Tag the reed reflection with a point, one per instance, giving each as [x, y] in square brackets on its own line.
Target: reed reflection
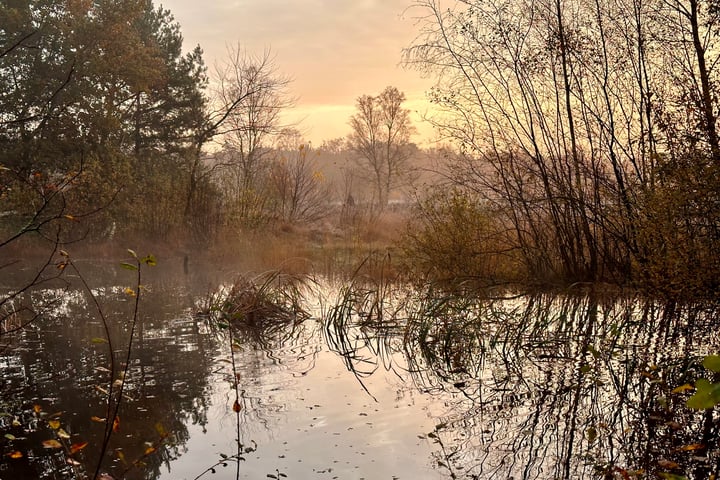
[545, 386]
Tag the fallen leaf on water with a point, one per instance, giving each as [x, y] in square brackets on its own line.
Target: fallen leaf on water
[683, 388]
[688, 448]
[51, 444]
[54, 424]
[63, 434]
[116, 424]
[97, 419]
[10, 436]
[76, 447]
[149, 450]
[37, 408]
[667, 464]
[15, 454]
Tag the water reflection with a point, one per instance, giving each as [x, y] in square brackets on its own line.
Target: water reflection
[364, 381]
[554, 387]
[57, 371]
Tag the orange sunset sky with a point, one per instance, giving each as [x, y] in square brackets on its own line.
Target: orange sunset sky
[334, 50]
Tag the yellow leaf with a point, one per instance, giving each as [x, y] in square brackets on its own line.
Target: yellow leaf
[129, 291]
[691, 447]
[51, 444]
[63, 434]
[37, 408]
[149, 450]
[54, 424]
[683, 388]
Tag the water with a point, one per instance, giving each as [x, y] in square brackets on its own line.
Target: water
[532, 387]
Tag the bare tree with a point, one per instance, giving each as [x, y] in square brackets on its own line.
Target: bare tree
[381, 139]
[251, 126]
[301, 191]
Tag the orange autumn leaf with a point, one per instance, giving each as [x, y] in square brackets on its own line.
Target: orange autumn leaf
[116, 424]
[691, 447]
[15, 454]
[76, 447]
[97, 419]
[149, 450]
[54, 424]
[683, 388]
[51, 444]
[37, 408]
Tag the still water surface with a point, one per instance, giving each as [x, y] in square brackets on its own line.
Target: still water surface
[532, 387]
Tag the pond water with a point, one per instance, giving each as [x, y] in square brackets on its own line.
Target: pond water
[377, 381]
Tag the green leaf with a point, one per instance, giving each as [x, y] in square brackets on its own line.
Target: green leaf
[149, 260]
[707, 395]
[132, 253]
[99, 340]
[712, 362]
[10, 436]
[128, 266]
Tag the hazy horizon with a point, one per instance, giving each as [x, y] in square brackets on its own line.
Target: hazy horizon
[333, 50]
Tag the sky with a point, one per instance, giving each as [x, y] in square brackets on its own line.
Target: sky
[334, 51]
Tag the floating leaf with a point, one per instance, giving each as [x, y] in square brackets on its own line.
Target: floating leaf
[121, 456]
[691, 447]
[76, 447]
[51, 444]
[129, 291]
[63, 434]
[54, 424]
[667, 464]
[37, 408]
[149, 260]
[128, 266]
[99, 340]
[683, 388]
[15, 454]
[712, 362]
[10, 436]
[97, 419]
[116, 424]
[160, 430]
[132, 253]
[591, 434]
[149, 450]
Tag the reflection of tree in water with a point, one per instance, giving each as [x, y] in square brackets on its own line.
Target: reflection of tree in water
[59, 368]
[546, 387]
